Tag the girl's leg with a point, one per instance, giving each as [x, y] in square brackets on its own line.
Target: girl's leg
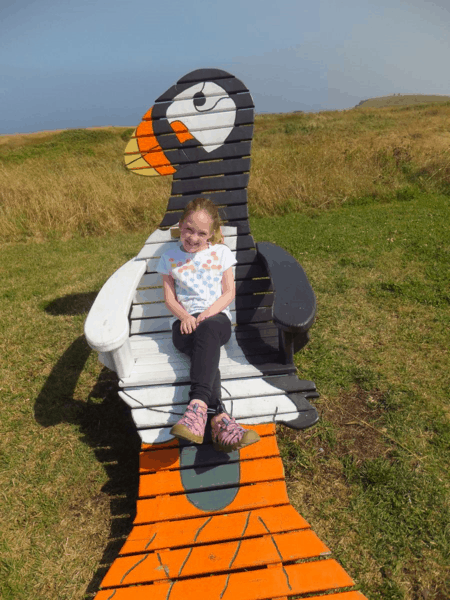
[203, 347]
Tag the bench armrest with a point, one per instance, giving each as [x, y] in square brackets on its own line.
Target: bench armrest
[294, 305]
[107, 327]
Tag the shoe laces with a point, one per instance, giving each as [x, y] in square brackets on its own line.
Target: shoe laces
[229, 426]
[193, 412]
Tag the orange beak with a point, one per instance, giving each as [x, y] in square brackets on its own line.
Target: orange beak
[144, 155]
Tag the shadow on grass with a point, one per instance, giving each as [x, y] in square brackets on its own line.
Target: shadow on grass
[105, 424]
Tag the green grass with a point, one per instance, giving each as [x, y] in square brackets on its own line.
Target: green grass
[72, 142]
[371, 478]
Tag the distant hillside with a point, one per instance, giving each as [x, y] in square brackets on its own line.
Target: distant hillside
[401, 100]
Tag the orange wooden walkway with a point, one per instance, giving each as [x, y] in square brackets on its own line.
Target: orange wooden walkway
[248, 550]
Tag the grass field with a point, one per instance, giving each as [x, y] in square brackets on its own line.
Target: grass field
[402, 100]
[372, 477]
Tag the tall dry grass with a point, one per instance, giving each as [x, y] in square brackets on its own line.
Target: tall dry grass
[299, 162]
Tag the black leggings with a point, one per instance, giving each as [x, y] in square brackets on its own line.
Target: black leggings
[203, 348]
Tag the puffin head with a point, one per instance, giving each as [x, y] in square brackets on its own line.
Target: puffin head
[194, 121]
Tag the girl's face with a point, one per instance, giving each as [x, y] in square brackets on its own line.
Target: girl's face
[195, 232]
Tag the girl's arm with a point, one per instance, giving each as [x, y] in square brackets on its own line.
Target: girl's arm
[228, 294]
[170, 298]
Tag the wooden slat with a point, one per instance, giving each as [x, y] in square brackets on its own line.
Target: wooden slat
[159, 435]
[196, 155]
[166, 459]
[254, 315]
[214, 558]
[263, 430]
[243, 287]
[241, 133]
[240, 408]
[159, 309]
[213, 528]
[148, 141]
[176, 395]
[208, 169]
[170, 482]
[244, 107]
[249, 497]
[227, 198]
[235, 372]
[258, 584]
[232, 85]
[227, 182]
[144, 356]
[242, 388]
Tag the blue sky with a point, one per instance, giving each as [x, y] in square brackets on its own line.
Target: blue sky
[86, 63]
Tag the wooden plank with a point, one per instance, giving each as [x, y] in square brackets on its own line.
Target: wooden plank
[157, 294]
[240, 408]
[242, 104]
[182, 375]
[227, 182]
[143, 356]
[230, 83]
[169, 458]
[208, 169]
[227, 198]
[150, 342]
[249, 497]
[241, 133]
[263, 430]
[214, 558]
[170, 482]
[253, 315]
[176, 395]
[213, 528]
[258, 584]
[171, 134]
[227, 150]
[159, 309]
[241, 332]
[157, 435]
[241, 388]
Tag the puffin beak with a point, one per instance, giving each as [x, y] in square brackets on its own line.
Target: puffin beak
[144, 155]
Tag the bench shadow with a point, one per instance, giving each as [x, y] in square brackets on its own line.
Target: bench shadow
[105, 424]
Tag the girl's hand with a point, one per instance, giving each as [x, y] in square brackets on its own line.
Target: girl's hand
[188, 325]
[202, 316]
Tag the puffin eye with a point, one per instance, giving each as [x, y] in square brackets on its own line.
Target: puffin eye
[199, 99]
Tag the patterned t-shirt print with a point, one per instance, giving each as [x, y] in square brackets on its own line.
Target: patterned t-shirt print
[198, 280]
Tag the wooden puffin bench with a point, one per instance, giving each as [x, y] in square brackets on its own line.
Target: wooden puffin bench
[210, 524]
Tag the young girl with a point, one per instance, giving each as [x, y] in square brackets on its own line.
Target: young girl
[198, 287]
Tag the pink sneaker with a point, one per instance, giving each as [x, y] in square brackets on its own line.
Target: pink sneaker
[191, 426]
[227, 435]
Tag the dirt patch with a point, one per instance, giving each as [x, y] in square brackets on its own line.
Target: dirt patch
[356, 417]
[351, 424]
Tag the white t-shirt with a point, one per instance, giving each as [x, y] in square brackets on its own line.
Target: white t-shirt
[197, 275]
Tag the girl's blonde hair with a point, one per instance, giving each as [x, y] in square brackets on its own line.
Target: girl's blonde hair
[208, 206]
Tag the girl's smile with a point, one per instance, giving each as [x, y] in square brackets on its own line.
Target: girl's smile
[195, 232]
